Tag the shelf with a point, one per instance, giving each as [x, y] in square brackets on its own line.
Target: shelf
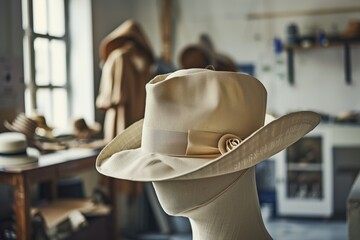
[304, 200]
[311, 167]
[333, 43]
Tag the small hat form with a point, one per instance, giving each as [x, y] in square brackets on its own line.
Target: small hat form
[203, 54]
[41, 122]
[42, 129]
[84, 131]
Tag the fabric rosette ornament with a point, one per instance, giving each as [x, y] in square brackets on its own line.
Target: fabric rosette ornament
[228, 142]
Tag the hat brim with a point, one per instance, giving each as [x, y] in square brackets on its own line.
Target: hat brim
[18, 159]
[124, 158]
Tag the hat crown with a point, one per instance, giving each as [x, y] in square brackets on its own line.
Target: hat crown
[192, 125]
[205, 100]
[12, 142]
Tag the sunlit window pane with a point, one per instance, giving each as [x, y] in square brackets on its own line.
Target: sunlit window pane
[60, 107]
[56, 19]
[58, 62]
[40, 19]
[43, 102]
[48, 73]
[41, 47]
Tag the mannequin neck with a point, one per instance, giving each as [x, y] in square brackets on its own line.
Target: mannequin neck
[234, 214]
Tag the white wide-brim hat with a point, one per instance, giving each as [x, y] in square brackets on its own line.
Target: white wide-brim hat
[14, 150]
[200, 123]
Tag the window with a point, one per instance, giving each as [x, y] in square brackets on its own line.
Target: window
[46, 60]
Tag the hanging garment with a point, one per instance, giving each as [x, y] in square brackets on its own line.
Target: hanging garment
[127, 65]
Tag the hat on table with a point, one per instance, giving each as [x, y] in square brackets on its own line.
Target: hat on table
[201, 123]
[42, 128]
[13, 150]
[22, 124]
[84, 131]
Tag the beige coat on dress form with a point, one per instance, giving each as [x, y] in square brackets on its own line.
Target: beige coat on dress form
[127, 66]
[128, 61]
[122, 90]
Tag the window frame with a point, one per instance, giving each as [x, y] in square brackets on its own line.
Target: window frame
[29, 58]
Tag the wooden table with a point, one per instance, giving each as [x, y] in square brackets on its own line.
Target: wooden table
[49, 168]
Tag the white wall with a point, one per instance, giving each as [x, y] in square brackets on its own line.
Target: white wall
[11, 28]
[81, 60]
[11, 60]
[319, 74]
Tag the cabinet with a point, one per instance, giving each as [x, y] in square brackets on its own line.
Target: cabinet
[304, 171]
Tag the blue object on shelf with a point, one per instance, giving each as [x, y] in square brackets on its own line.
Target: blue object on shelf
[277, 46]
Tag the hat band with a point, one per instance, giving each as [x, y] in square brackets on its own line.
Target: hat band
[194, 143]
[22, 152]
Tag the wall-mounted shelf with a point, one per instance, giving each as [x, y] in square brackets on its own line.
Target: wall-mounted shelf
[332, 44]
[305, 12]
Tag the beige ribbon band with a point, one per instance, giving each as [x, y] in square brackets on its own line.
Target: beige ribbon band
[194, 143]
[164, 142]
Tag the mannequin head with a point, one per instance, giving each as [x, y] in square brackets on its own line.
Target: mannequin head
[222, 207]
[179, 197]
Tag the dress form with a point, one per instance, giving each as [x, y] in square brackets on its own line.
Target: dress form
[223, 207]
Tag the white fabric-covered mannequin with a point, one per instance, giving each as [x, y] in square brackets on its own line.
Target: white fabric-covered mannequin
[223, 207]
[201, 137]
